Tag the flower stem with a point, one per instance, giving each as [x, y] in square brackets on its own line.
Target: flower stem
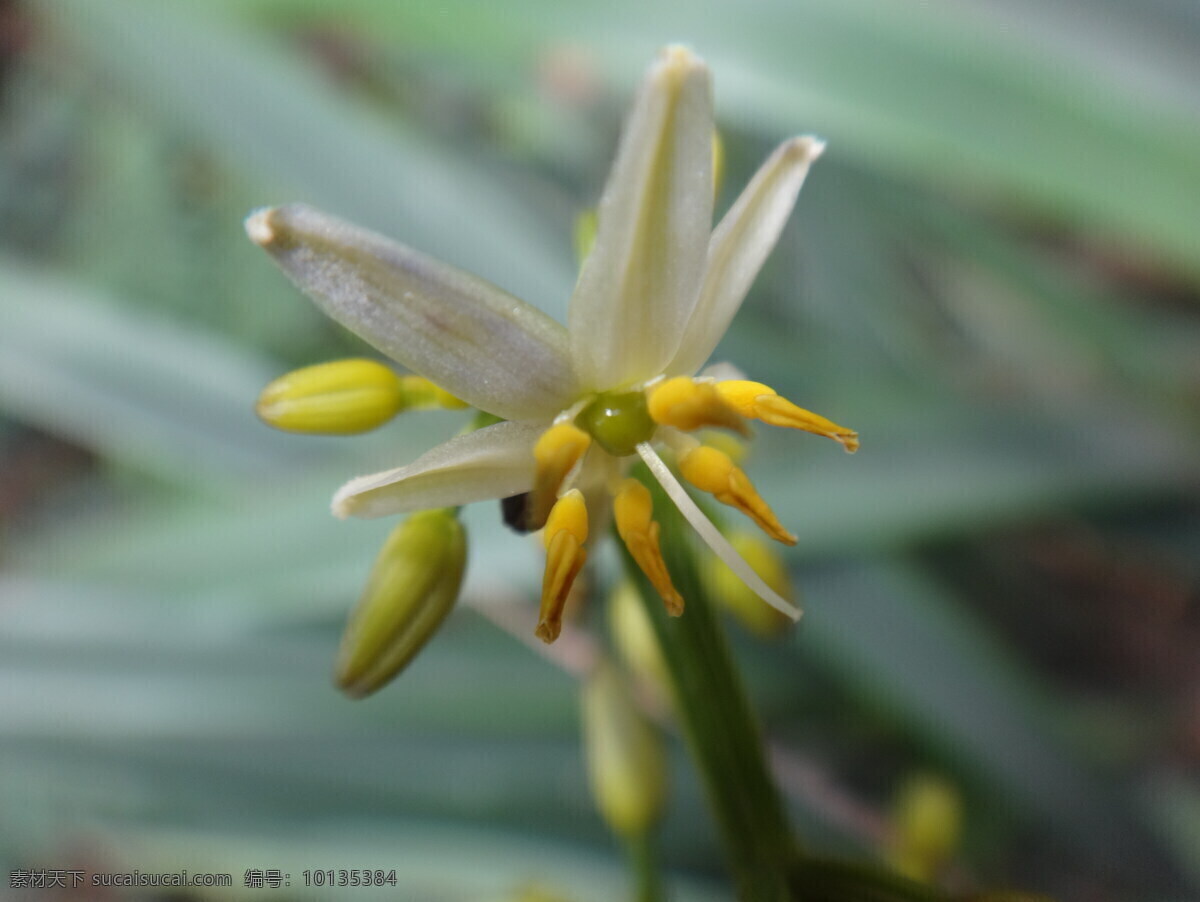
[721, 732]
[643, 857]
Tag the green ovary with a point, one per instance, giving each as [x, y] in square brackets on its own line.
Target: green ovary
[618, 421]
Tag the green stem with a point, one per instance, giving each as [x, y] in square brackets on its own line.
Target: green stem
[719, 727]
[644, 859]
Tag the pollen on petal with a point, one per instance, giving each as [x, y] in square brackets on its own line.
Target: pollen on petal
[761, 402]
[633, 511]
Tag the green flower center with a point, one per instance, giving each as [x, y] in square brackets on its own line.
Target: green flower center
[618, 421]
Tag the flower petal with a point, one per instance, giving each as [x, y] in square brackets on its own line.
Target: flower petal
[740, 245]
[640, 281]
[493, 462]
[471, 338]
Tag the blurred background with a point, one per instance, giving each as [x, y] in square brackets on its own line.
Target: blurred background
[993, 274]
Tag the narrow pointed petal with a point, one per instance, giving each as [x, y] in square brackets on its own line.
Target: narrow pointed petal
[740, 245]
[494, 462]
[640, 281]
[471, 338]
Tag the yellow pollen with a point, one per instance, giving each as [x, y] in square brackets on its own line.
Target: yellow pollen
[633, 510]
[761, 402]
[712, 471]
[566, 531]
[555, 454]
[686, 404]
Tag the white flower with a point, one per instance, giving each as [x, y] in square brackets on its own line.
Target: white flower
[656, 293]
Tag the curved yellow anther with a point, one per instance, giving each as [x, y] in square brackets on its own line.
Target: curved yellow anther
[633, 511]
[566, 531]
[686, 404]
[555, 454]
[718, 162]
[712, 471]
[761, 402]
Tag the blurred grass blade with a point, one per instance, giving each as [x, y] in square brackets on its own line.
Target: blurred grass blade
[147, 393]
[272, 115]
[895, 636]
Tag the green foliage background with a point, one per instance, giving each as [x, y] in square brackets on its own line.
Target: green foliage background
[992, 274]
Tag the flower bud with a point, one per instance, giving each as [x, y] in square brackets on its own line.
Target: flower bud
[625, 757]
[732, 594]
[412, 587]
[635, 642]
[927, 819]
[342, 397]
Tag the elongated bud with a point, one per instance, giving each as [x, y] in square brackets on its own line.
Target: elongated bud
[625, 757]
[342, 397]
[732, 593]
[927, 818]
[635, 642]
[412, 587]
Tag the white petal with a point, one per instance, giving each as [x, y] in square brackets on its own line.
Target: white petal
[640, 281]
[493, 462]
[711, 535]
[476, 341]
[740, 245]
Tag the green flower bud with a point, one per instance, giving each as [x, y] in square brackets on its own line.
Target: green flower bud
[412, 587]
[635, 641]
[342, 397]
[625, 756]
[927, 819]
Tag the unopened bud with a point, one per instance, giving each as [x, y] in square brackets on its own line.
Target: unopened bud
[412, 587]
[625, 756]
[636, 643]
[342, 397]
[927, 819]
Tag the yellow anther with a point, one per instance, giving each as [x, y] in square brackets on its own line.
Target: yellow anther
[418, 393]
[712, 471]
[342, 397]
[555, 454]
[566, 531]
[633, 511]
[761, 402]
[688, 405]
[729, 591]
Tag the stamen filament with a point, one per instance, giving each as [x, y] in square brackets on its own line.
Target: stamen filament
[711, 535]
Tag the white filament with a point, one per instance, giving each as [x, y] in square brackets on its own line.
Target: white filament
[711, 535]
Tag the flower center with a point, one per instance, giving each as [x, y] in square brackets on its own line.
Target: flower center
[618, 421]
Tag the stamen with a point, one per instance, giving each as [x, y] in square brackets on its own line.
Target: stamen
[711, 535]
[712, 471]
[687, 405]
[566, 531]
[555, 454]
[761, 402]
[632, 510]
